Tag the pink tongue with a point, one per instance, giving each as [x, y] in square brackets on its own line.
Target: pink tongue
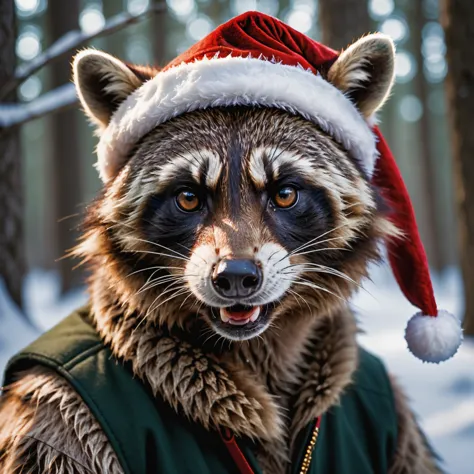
[239, 315]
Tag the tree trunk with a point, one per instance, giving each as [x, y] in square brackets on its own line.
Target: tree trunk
[343, 21]
[157, 35]
[431, 238]
[66, 163]
[458, 18]
[12, 251]
[114, 44]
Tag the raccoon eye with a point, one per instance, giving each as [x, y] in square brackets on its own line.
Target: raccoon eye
[285, 197]
[188, 201]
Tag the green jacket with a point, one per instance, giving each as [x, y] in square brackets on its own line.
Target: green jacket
[356, 437]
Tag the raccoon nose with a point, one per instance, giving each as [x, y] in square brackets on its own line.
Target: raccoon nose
[236, 278]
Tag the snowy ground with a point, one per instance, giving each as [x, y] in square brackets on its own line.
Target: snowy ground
[441, 395]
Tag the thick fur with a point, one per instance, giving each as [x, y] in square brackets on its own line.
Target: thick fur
[45, 427]
[365, 72]
[148, 260]
[103, 82]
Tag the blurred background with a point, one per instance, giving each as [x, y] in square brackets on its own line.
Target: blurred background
[47, 155]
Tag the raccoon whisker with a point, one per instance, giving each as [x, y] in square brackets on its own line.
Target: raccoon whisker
[310, 243]
[316, 268]
[148, 252]
[167, 290]
[274, 253]
[316, 239]
[169, 275]
[164, 267]
[148, 285]
[185, 299]
[313, 244]
[334, 272]
[296, 295]
[213, 334]
[184, 247]
[162, 283]
[275, 327]
[169, 287]
[316, 287]
[156, 243]
[322, 250]
[158, 282]
[161, 246]
[179, 292]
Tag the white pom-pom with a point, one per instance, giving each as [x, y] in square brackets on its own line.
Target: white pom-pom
[434, 339]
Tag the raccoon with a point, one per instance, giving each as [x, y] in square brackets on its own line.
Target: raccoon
[223, 252]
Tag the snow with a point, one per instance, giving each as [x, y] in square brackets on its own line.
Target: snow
[441, 395]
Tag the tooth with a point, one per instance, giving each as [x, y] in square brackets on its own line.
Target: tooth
[237, 322]
[255, 315]
[224, 317]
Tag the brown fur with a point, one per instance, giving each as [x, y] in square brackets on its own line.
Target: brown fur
[38, 433]
[45, 427]
[365, 72]
[144, 309]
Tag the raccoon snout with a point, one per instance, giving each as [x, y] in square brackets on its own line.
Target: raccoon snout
[234, 278]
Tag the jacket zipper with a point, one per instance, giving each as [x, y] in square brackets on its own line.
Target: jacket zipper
[242, 463]
[310, 448]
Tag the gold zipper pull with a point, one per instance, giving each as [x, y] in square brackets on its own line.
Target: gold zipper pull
[310, 448]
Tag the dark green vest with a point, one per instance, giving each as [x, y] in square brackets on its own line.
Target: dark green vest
[356, 437]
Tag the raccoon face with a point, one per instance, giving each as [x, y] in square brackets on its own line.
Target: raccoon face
[246, 217]
[242, 216]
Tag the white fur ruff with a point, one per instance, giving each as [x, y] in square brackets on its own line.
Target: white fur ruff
[434, 339]
[234, 81]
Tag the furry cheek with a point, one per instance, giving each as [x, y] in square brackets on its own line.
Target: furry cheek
[198, 270]
[277, 273]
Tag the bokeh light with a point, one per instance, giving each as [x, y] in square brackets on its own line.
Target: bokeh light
[270, 7]
[405, 66]
[135, 7]
[308, 6]
[435, 71]
[181, 8]
[396, 28]
[411, 108]
[91, 19]
[137, 50]
[379, 9]
[434, 50]
[199, 27]
[300, 20]
[431, 9]
[27, 7]
[28, 44]
[241, 6]
[30, 89]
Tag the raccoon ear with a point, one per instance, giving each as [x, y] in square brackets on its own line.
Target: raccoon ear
[103, 82]
[365, 72]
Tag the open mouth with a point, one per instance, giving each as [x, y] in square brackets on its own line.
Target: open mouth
[240, 314]
[240, 322]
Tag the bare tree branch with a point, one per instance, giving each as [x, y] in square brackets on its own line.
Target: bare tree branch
[73, 40]
[15, 115]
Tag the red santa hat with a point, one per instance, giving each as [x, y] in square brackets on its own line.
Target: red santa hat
[257, 60]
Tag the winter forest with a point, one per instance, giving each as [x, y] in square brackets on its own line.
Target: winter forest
[47, 173]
